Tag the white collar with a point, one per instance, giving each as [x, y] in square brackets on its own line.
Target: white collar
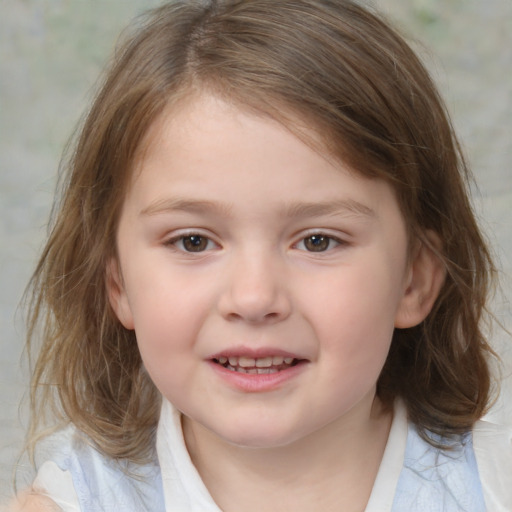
[185, 491]
[384, 488]
[183, 488]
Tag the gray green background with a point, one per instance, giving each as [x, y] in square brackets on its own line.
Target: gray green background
[51, 52]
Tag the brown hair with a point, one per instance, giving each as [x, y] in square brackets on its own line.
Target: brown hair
[335, 66]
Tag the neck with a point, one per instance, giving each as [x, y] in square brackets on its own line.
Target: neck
[330, 470]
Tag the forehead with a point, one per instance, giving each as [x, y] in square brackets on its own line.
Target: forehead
[203, 105]
[207, 147]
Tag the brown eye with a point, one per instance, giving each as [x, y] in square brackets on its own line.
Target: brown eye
[194, 243]
[317, 243]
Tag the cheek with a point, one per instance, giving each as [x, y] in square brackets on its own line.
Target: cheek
[168, 311]
[165, 338]
[355, 318]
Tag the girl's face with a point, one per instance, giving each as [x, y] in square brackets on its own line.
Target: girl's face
[262, 280]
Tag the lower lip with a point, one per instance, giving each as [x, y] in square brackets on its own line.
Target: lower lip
[257, 383]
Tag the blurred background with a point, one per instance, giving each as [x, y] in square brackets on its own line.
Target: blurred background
[51, 53]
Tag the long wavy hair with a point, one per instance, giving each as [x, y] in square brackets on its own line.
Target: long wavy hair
[360, 88]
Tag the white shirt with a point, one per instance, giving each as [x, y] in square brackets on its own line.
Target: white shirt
[184, 491]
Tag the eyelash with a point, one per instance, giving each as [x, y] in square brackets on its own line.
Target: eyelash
[175, 241]
[203, 243]
[318, 238]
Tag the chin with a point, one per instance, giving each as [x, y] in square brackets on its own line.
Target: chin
[260, 436]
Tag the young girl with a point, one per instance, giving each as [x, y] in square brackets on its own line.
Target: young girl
[265, 287]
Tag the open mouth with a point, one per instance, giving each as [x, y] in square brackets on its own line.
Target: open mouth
[257, 366]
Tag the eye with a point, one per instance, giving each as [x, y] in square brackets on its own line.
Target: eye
[318, 243]
[192, 243]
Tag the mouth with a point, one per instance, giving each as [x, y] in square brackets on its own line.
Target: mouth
[256, 366]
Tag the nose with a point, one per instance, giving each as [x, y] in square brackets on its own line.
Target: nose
[255, 291]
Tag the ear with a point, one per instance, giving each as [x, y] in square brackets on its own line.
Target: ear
[425, 278]
[117, 294]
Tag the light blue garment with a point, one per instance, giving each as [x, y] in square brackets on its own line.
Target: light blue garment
[103, 484]
[434, 480]
[431, 480]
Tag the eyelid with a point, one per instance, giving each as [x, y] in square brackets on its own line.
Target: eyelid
[172, 240]
[340, 240]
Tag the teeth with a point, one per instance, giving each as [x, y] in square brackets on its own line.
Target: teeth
[277, 360]
[267, 370]
[246, 362]
[264, 362]
[259, 365]
[253, 371]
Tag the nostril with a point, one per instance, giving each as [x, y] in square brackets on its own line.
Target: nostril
[254, 304]
[253, 318]
[233, 316]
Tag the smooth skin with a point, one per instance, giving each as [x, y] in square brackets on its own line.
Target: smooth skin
[237, 238]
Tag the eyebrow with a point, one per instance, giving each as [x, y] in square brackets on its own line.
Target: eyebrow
[346, 207]
[186, 205]
[330, 208]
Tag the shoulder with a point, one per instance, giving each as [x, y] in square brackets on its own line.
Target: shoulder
[53, 487]
[78, 476]
[493, 452]
[56, 446]
[489, 435]
[434, 479]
